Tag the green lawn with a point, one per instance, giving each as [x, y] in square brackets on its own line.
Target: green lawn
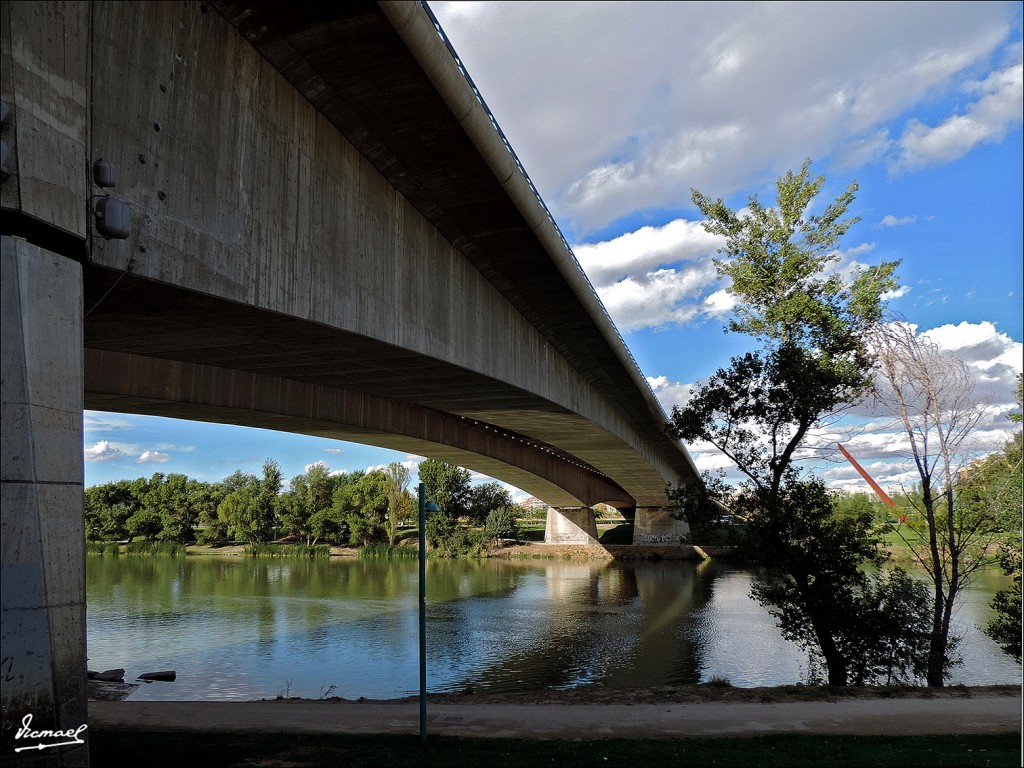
[156, 749]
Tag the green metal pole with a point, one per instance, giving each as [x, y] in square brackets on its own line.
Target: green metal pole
[423, 617]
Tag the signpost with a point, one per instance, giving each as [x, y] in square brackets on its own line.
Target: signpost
[424, 506]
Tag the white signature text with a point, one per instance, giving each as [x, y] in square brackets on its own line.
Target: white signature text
[70, 736]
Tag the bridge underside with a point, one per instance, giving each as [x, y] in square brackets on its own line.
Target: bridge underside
[328, 235]
[338, 212]
[158, 350]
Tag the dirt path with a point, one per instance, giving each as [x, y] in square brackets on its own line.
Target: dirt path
[989, 710]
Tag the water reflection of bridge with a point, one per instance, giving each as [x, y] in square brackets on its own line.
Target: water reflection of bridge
[598, 633]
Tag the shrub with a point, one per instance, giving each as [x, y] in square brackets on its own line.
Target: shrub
[463, 542]
[501, 523]
[212, 535]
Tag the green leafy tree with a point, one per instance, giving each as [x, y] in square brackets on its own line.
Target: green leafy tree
[890, 641]
[858, 504]
[206, 497]
[213, 520]
[815, 584]
[447, 486]
[362, 504]
[145, 524]
[399, 499]
[502, 523]
[485, 498]
[237, 480]
[109, 506]
[1001, 480]
[309, 498]
[250, 511]
[173, 497]
[812, 323]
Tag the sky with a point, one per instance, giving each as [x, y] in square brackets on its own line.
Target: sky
[618, 110]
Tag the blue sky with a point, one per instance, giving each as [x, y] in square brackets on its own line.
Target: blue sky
[617, 110]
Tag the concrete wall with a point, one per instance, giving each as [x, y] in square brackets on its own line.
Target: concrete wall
[44, 58]
[571, 525]
[42, 568]
[655, 526]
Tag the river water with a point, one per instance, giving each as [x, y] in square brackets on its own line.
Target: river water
[244, 628]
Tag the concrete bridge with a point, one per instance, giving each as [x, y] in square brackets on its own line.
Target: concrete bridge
[306, 221]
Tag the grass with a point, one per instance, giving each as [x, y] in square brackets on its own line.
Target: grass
[620, 534]
[289, 550]
[385, 551]
[160, 748]
[102, 548]
[172, 548]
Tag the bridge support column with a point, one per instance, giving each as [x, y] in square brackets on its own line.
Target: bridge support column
[571, 525]
[655, 525]
[42, 567]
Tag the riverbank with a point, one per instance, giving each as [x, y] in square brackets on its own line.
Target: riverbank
[695, 725]
[682, 712]
[534, 551]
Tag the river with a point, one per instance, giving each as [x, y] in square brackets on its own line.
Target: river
[243, 628]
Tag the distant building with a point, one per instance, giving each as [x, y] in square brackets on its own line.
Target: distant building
[532, 502]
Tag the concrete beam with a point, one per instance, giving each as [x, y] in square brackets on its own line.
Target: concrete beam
[42, 565]
[44, 57]
[297, 160]
[132, 383]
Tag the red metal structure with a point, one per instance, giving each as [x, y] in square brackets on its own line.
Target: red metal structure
[882, 494]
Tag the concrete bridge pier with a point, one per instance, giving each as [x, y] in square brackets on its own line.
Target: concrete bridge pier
[656, 526]
[571, 525]
[42, 567]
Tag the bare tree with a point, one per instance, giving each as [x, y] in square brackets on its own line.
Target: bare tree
[931, 393]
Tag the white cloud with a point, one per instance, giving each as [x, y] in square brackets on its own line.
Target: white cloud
[994, 357]
[153, 457]
[756, 89]
[857, 250]
[997, 110]
[646, 249]
[104, 450]
[411, 465]
[893, 221]
[333, 451]
[669, 393]
[713, 462]
[896, 293]
[656, 276]
[878, 442]
[863, 150]
[995, 360]
[103, 421]
[660, 298]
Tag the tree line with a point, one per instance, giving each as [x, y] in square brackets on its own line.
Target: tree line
[319, 506]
